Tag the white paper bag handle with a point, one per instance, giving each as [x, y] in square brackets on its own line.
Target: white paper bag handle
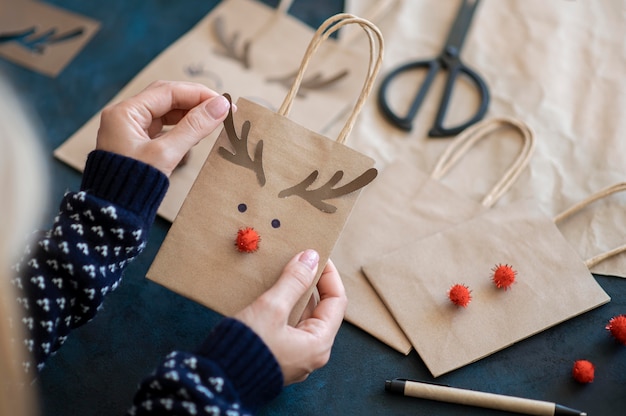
[284, 6]
[585, 202]
[327, 28]
[470, 136]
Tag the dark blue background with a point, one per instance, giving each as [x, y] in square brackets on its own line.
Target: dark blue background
[97, 371]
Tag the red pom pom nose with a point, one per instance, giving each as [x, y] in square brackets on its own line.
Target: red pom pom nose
[247, 240]
[617, 327]
[583, 371]
[503, 276]
[460, 295]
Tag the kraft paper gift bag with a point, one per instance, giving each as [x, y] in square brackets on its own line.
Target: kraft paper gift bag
[249, 50]
[403, 204]
[266, 177]
[552, 284]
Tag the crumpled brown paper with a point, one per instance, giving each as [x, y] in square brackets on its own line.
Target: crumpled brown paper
[557, 65]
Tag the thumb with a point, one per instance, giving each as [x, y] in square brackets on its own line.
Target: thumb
[200, 121]
[296, 279]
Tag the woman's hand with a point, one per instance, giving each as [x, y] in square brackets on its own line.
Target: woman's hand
[134, 127]
[306, 347]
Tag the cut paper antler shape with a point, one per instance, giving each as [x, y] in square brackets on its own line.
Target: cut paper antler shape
[37, 43]
[316, 197]
[240, 155]
[230, 44]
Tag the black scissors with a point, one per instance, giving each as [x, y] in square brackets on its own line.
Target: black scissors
[448, 60]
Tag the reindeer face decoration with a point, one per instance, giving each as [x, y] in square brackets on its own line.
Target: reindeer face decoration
[269, 189]
[248, 239]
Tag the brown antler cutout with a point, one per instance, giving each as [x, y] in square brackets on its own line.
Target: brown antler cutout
[230, 45]
[240, 155]
[316, 197]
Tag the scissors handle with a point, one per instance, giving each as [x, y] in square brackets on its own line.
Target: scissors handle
[433, 66]
[406, 122]
[438, 129]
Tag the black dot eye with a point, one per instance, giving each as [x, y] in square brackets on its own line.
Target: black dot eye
[276, 223]
[242, 207]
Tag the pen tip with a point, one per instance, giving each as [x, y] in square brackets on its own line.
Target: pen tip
[395, 386]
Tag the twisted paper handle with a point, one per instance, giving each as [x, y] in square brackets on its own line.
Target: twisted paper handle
[327, 28]
[284, 6]
[585, 202]
[470, 136]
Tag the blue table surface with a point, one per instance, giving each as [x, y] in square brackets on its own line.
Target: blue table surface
[98, 369]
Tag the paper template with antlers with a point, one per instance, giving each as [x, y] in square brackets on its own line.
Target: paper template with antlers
[42, 37]
[295, 188]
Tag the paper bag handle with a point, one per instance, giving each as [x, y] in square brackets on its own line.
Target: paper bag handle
[585, 202]
[327, 28]
[284, 6]
[470, 136]
[374, 14]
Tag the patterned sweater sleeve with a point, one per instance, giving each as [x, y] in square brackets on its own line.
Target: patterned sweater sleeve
[66, 272]
[232, 374]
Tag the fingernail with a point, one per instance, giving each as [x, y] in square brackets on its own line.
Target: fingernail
[310, 258]
[217, 107]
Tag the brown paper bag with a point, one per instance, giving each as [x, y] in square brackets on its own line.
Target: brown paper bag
[552, 284]
[404, 204]
[294, 187]
[249, 50]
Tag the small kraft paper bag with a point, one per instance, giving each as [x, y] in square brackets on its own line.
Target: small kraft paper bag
[269, 189]
[403, 204]
[250, 50]
[522, 275]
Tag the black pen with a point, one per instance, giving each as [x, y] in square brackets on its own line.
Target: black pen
[443, 393]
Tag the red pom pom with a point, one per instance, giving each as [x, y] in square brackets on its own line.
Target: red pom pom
[460, 295]
[583, 371]
[617, 327]
[247, 240]
[503, 276]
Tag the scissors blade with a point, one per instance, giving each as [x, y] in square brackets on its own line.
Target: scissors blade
[461, 26]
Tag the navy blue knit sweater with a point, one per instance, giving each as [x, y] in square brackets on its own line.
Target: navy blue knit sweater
[67, 271]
